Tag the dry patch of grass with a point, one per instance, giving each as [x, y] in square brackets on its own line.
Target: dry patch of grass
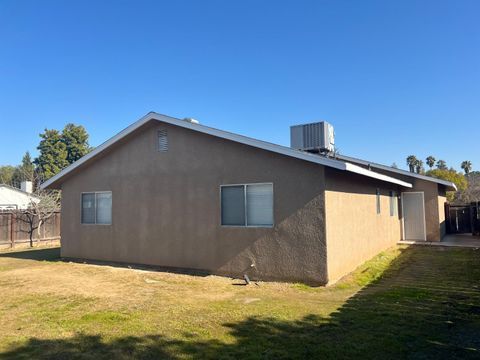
[51, 308]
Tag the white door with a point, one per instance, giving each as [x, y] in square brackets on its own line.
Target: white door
[413, 210]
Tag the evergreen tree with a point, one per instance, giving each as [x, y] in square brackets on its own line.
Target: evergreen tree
[60, 149]
[53, 154]
[24, 171]
[75, 137]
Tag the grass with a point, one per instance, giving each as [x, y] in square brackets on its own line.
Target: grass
[419, 302]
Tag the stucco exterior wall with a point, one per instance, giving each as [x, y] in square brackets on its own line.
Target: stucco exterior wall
[432, 218]
[442, 199]
[166, 208]
[431, 197]
[355, 232]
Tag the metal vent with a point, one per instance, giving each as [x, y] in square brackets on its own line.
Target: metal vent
[162, 140]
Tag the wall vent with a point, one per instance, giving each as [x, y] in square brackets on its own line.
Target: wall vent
[162, 140]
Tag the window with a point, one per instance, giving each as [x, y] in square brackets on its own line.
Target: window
[97, 208]
[247, 205]
[162, 140]
[393, 203]
[378, 202]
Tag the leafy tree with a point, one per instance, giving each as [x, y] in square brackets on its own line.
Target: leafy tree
[53, 154]
[430, 161]
[411, 162]
[6, 174]
[60, 149]
[450, 175]
[442, 165]
[466, 166]
[75, 137]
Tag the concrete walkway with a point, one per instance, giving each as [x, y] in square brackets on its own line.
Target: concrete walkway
[456, 240]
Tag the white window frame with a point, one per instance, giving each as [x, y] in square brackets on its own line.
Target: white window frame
[95, 207]
[245, 202]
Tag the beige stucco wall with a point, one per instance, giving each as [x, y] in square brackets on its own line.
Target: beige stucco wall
[431, 190]
[166, 208]
[355, 232]
[442, 199]
[432, 215]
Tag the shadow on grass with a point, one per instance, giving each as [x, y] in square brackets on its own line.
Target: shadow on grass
[48, 254]
[426, 305]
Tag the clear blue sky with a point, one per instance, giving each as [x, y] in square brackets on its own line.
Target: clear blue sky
[394, 77]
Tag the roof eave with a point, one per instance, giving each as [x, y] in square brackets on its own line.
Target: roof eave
[448, 184]
[55, 181]
[362, 171]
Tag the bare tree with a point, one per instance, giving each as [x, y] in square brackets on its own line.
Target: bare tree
[472, 191]
[42, 206]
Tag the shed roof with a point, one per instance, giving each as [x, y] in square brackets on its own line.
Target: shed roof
[56, 180]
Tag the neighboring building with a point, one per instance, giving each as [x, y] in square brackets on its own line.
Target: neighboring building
[173, 193]
[12, 198]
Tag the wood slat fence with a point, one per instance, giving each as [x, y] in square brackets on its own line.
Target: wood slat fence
[14, 231]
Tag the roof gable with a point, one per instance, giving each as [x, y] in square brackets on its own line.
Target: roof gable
[337, 164]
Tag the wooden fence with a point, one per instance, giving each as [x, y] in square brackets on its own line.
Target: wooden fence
[15, 231]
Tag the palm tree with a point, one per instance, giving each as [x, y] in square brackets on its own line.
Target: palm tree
[430, 161]
[419, 166]
[466, 166]
[411, 161]
[442, 165]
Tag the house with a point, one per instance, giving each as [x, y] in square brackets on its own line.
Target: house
[12, 198]
[177, 194]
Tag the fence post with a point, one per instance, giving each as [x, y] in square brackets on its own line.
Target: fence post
[12, 232]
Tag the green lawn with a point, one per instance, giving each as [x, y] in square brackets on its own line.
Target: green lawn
[418, 303]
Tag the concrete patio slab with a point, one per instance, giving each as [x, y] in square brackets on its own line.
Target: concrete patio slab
[455, 240]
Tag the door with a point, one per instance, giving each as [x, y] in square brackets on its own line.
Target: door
[413, 210]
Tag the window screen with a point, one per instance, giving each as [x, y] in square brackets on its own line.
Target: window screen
[104, 208]
[233, 205]
[260, 205]
[378, 202]
[247, 205]
[97, 208]
[393, 204]
[88, 208]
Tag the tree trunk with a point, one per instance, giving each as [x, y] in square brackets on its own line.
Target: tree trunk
[38, 231]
